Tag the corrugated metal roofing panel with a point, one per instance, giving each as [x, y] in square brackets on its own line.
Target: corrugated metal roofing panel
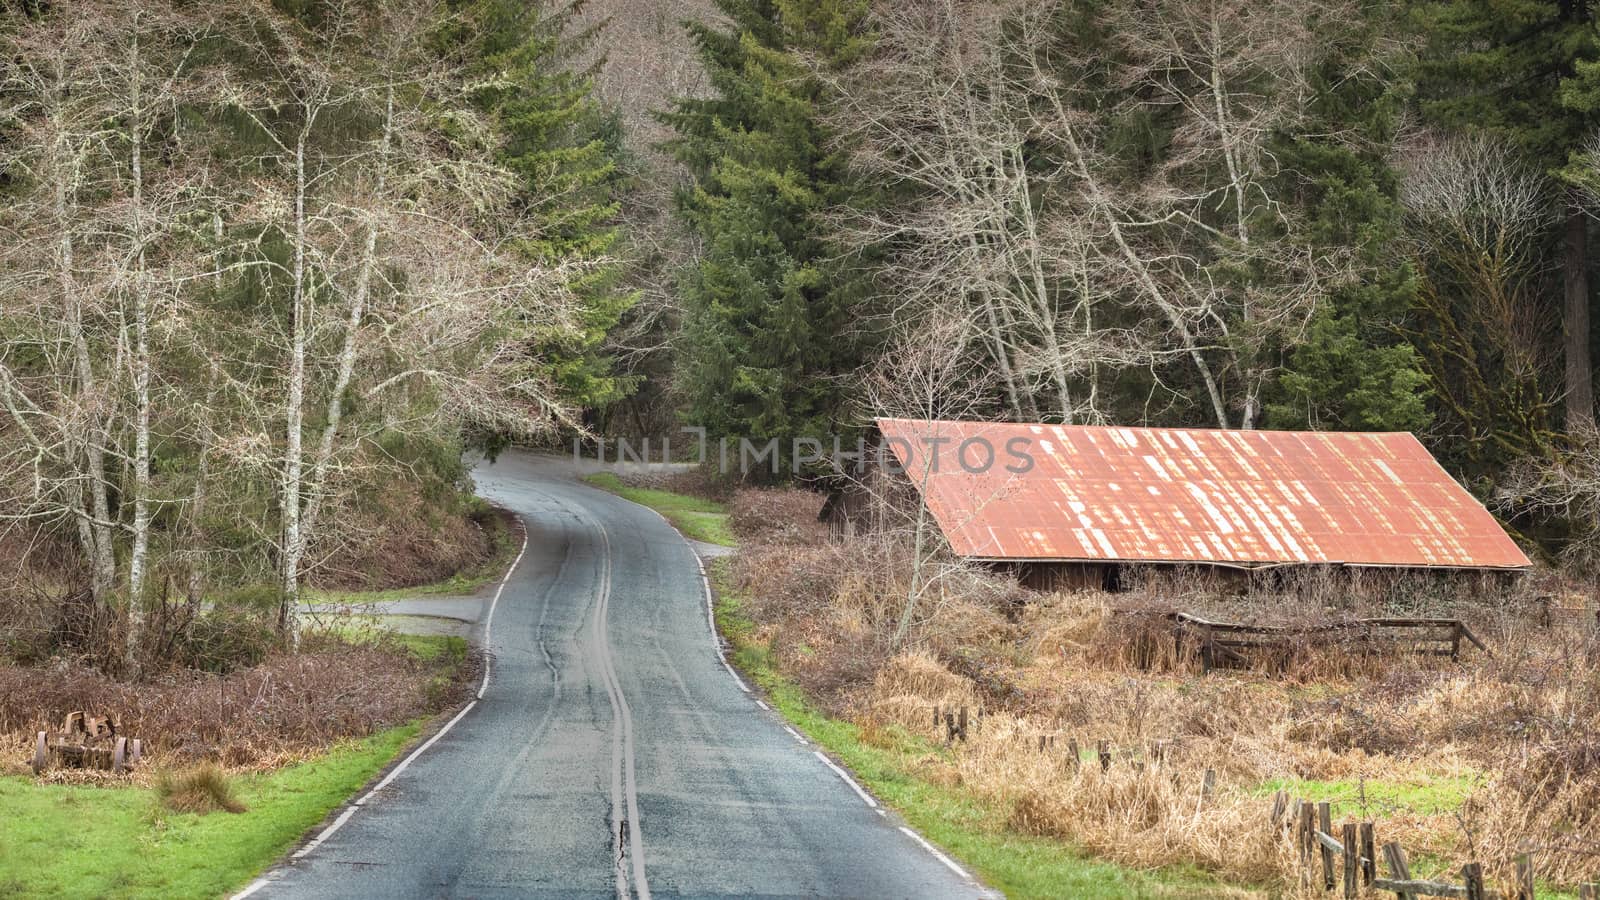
[1235, 497]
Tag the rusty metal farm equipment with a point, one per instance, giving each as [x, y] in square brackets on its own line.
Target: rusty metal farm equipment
[86, 742]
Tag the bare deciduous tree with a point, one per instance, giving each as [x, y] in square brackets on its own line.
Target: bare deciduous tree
[403, 284]
[1199, 236]
[936, 117]
[1476, 219]
[99, 223]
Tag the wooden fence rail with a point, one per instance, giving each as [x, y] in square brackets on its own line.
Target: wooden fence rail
[1226, 644]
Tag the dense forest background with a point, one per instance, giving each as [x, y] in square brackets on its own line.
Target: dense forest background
[267, 269]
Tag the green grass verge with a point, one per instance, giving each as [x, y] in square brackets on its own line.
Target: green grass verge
[956, 820]
[698, 518]
[77, 841]
[1423, 794]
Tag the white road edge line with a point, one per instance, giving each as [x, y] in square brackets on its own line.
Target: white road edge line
[866, 797]
[949, 863]
[705, 585]
[735, 676]
[488, 621]
[350, 810]
[716, 639]
[393, 773]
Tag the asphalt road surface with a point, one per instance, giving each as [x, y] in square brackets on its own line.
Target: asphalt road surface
[612, 753]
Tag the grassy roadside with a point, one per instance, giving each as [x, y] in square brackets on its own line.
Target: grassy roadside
[80, 841]
[698, 518]
[1020, 866]
[98, 841]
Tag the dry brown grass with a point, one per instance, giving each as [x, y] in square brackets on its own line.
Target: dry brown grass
[1517, 731]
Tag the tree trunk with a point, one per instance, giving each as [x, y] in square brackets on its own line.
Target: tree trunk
[294, 413]
[997, 341]
[137, 558]
[96, 530]
[197, 511]
[197, 504]
[1045, 309]
[1102, 204]
[1575, 322]
[352, 333]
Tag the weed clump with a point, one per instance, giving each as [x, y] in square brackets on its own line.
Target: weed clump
[203, 789]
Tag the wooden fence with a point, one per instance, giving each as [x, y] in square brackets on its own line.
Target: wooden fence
[1552, 612]
[1347, 858]
[1350, 859]
[1233, 644]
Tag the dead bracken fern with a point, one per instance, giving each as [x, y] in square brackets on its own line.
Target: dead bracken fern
[281, 710]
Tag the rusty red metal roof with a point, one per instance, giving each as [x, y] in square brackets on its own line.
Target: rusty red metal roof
[1177, 495]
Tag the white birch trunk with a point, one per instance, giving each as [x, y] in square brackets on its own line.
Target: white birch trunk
[349, 351]
[95, 530]
[294, 413]
[137, 558]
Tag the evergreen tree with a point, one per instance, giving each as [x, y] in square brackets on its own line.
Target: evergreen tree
[1353, 369]
[563, 145]
[1522, 70]
[766, 332]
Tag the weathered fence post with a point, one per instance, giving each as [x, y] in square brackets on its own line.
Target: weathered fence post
[1074, 753]
[1325, 825]
[1352, 860]
[1395, 855]
[1524, 876]
[1208, 786]
[963, 730]
[1307, 827]
[1369, 853]
[1472, 873]
[1103, 750]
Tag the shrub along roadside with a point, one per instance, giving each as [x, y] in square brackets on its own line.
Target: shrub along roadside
[503, 533]
[298, 752]
[290, 705]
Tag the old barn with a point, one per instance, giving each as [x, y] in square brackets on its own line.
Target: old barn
[1066, 505]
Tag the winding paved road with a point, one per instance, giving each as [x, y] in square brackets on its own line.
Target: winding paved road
[611, 753]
